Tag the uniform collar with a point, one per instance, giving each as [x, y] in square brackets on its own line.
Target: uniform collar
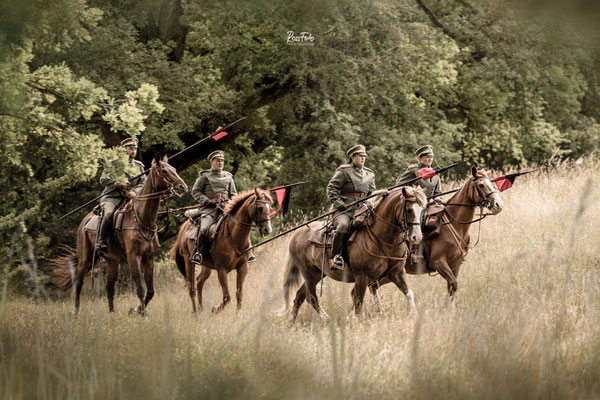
[214, 172]
[354, 166]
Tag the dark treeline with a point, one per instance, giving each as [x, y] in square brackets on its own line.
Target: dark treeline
[502, 83]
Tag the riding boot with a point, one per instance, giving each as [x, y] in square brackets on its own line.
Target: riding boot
[102, 245]
[196, 258]
[337, 262]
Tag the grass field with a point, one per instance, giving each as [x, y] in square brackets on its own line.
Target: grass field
[525, 324]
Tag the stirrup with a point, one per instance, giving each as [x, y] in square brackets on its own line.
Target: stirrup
[101, 248]
[196, 258]
[337, 262]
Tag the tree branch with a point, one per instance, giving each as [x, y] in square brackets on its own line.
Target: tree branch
[434, 19]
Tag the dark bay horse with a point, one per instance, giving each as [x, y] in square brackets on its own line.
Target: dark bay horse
[136, 242]
[378, 250]
[226, 251]
[447, 251]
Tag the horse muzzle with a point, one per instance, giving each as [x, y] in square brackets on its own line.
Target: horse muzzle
[265, 229]
[180, 189]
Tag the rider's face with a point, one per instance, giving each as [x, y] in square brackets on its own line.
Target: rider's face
[426, 161]
[217, 164]
[358, 160]
[131, 151]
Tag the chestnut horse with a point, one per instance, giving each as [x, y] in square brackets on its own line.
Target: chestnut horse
[446, 252]
[136, 242]
[226, 251]
[378, 250]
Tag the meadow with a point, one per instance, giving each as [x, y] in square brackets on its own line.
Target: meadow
[525, 323]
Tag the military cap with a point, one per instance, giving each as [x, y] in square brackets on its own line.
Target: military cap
[216, 154]
[358, 149]
[130, 141]
[424, 151]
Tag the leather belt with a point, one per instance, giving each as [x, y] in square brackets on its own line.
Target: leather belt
[350, 194]
[218, 196]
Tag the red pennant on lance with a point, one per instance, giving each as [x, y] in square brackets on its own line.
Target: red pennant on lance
[281, 195]
[219, 135]
[504, 182]
[426, 173]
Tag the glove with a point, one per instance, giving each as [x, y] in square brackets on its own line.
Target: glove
[210, 202]
[130, 194]
[341, 207]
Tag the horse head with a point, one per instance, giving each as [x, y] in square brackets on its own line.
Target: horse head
[483, 192]
[165, 177]
[261, 214]
[414, 204]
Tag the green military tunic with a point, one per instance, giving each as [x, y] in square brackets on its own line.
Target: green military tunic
[211, 182]
[349, 178]
[433, 185]
[109, 184]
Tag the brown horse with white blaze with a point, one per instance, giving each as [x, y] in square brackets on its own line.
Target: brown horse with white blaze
[447, 251]
[226, 252]
[378, 250]
[136, 242]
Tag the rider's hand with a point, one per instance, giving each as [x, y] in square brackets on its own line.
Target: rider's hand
[341, 207]
[130, 194]
[125, 186]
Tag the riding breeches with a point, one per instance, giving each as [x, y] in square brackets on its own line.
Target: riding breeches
[342, 221]
[109, 205]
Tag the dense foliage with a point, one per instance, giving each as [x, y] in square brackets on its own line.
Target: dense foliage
[498, 82]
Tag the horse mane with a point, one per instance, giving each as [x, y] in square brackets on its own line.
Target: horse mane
[411, 191]
[419, 194]
[238, 200]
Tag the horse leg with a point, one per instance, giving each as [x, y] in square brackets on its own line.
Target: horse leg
[298, 300]
[78, 286]
[149, 279]
[311, 286]
[222, 273]
[204, 275]
[398, 277]
[358, 292]
[374, 289]
[135, 269]
[112, 273]
[190, 272]
[448, 275]
[241, 275]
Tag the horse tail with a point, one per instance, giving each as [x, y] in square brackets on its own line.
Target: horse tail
[292, 280]
[175, 255]
[64, 269]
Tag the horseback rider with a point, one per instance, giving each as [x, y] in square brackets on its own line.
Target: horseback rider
[350, 182]
[213, 189]
[424, 155]
[114, 193]
[433, 186]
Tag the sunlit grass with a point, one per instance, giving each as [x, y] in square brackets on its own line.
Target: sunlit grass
[524, 324]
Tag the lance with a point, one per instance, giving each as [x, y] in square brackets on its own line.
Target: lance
[175, 210]
[428, 175]
[513, 176]
[218, 134]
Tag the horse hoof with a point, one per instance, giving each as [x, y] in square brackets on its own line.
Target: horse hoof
[215, 309]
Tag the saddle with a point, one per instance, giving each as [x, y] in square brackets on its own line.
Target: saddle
[316, 236]
[432, 221]
[212, 230]
[93, 224]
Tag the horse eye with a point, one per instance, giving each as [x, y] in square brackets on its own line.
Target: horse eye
[481, 185]
[164, 171]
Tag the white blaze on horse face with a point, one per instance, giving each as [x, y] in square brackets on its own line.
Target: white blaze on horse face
[497, 203]
[414, 231]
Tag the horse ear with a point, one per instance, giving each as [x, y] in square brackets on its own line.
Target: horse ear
[256, 192]
[474, 170]
[404, 192]
[165, 158]
[157, 158]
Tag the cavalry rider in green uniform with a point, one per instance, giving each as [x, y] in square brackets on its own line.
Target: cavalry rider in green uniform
[213, 189]
[433, 186]
[425, 159]
[350, 182]
[114, 193]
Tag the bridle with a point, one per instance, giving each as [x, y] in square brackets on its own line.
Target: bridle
[484, 202]
[403, 228]
[163, 195]
[255, 220]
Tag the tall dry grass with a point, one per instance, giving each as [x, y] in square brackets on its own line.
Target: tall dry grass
[525, 324]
